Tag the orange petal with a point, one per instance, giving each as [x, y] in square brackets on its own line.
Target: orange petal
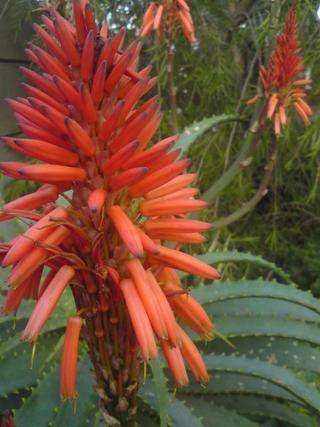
[185, 262]
[151, 305]
[174, 185]
[126, 230]
[52, 173]
[171, 207]
[47, 303]
[69, 361]
[140, 321]
[175, 362]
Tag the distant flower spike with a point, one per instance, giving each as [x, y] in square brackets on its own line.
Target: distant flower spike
[161, 16]
[85, 119]
[279, 79]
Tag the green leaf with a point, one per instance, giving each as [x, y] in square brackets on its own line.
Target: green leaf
[207, 410]
[197, 129]
[182, 416]
[264, 307]
[270, 373]
[288, 353]
[161, 390]
[262, 407]
[241, 326]
[243, 257]
[15, 364]
[222, 291]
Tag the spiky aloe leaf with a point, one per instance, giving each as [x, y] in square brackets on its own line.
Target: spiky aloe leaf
[222, 291]
[191, 133]
[243, 257]
[161, 390]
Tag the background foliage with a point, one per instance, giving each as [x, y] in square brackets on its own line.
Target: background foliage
[265, 361]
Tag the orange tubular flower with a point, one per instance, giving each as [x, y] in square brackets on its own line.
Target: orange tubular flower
[279, 79]
[69, 361]
[160, 17]
[86, 119]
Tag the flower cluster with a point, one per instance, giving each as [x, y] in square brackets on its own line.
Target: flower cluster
[85, 121]
[279, 78]
[162, 17]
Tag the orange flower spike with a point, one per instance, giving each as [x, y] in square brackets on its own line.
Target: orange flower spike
[165, 309]
[69, 361]
[148, 20]
[157, 18]
[80, 137]
[174, 185]
[47, 303]
[87, 57]
[279, 78]
[140, 320]
[49, 64]
[27, 265]
[126, 230]
[146, 295]
[175, 363]
[186, 262]
[52, 173]
[30, 201]
[96, 200]
[193, 357]
[38, 231]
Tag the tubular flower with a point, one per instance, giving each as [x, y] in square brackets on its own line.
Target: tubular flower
[85, 121]
[283, 89]
[162, 16]
[69, 362]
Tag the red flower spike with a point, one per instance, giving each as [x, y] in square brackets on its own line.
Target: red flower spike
[69, 361]
[279, 78]
[87, 120]
[162, 15]
[47, 303]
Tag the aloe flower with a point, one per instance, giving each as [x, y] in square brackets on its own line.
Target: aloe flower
[163, 16]
[283, 89]
[85, 120]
